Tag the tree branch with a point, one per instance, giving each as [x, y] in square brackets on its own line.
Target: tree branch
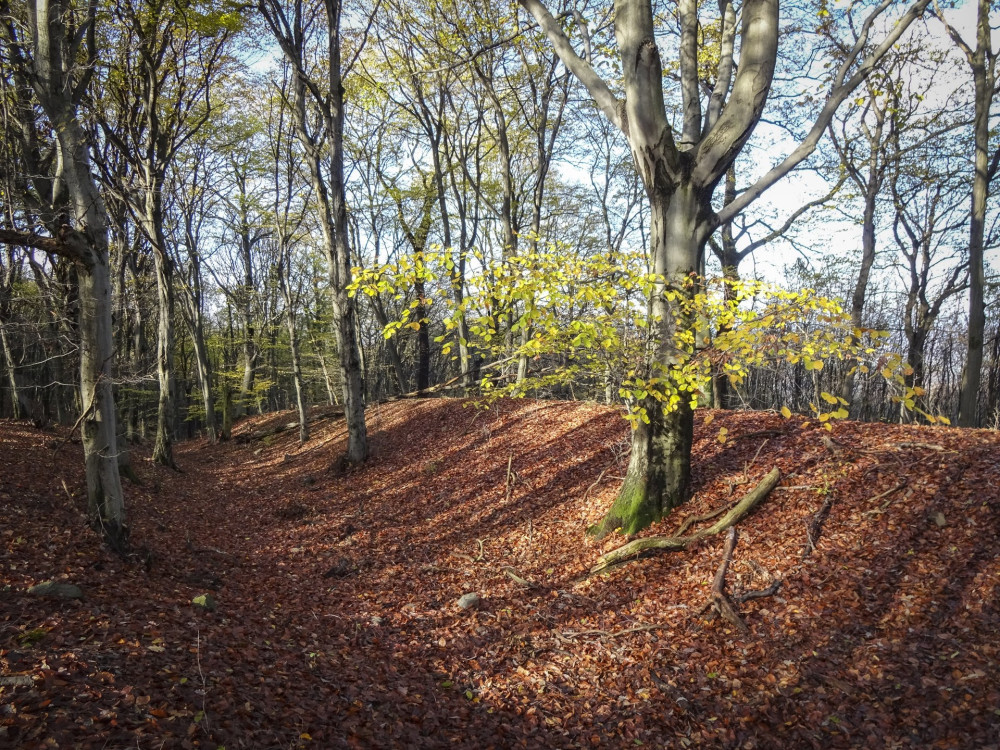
[606, 101]
[68, 245]
[838, 94]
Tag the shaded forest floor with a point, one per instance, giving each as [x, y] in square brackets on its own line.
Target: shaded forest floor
[337, 623]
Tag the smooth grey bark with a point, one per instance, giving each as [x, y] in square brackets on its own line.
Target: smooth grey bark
[288, 220]
[323, 152]
[680, 179]
[53, 75]
[163, 452]
[192, 306]
[982, 60]
[293, 344]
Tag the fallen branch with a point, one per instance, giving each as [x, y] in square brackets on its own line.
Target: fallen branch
[881, 509]
[246, 437]
[761, 433]
[815, 526]
[927, 446]
[669, 543]
[596, 482]
[759, 593]
[517, 579]
[16, 680]
[718, 601]
[692, 520]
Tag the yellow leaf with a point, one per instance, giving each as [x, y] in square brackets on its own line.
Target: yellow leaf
[708, 418]
[944, 420]
[305, 736]
[723, 432]
[828, 398]
[786, 412]
[828, 427]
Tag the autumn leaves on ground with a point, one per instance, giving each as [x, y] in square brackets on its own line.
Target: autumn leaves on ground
[336, 621]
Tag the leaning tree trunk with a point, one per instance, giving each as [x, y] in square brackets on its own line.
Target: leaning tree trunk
[21, 408]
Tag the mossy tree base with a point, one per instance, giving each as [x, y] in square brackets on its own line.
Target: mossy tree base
[738, 512]
[659, 472]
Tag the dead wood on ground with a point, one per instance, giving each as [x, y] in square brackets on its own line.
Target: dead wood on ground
[668, 543]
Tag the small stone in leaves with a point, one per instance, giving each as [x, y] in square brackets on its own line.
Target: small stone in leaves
[469, 601]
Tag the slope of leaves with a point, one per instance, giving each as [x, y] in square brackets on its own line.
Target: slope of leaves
[337, 623]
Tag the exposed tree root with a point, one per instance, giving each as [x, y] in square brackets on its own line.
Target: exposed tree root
[668, 543]
[692, 520]
[770, 590]
[718, 601]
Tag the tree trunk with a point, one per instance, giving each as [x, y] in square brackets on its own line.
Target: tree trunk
[21, 408]
[163, 452]
[968, 407]
[864, 272]
[329, 192]
[345, 321]
[659, 469]
[391, 350]
[293, 343]
[53, 86]
[204, 367]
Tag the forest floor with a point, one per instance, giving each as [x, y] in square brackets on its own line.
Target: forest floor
[337, 622]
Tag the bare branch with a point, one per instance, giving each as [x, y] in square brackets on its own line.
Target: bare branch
[606, 101]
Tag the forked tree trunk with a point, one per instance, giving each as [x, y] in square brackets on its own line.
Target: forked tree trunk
[680, 176]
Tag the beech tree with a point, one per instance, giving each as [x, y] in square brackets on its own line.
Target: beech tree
[680, 172]
[317, 105]
[57, 58]
[982, 60]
